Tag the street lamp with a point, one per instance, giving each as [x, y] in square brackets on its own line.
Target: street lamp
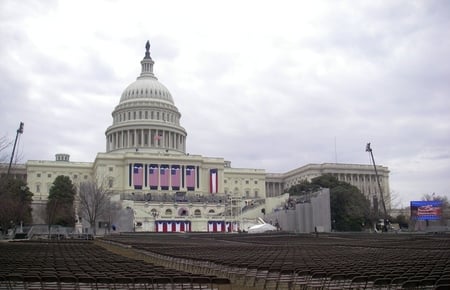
[154, 214]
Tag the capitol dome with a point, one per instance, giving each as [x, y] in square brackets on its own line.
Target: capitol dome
[146, 87]
[146, 118]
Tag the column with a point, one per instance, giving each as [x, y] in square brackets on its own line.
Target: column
[163, 139]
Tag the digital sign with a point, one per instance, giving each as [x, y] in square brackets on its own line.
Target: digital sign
[426, 210]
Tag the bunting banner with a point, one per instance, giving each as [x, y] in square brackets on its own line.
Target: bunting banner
[232, 227]
[172, 226]
[216, 226]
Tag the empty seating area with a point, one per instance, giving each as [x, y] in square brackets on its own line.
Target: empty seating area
[288, 261]
[84, 265]
[229, 261]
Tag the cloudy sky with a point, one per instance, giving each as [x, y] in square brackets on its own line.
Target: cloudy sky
[264, 84]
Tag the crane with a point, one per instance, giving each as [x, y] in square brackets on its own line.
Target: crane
[369, 149]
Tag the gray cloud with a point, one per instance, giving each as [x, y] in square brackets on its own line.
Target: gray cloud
[268, 93]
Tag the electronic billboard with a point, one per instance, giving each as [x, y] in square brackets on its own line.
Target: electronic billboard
[426, 210]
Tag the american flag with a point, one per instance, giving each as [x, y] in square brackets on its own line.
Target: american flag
[164, 176]
[175, 174]
[190, 177]
[137, 176]
[153, 176]
[213, 178]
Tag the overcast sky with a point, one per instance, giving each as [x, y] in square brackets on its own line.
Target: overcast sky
[265, 84]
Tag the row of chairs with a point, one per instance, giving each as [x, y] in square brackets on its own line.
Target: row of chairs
[15, 281]
[84, 265]
[299, 261]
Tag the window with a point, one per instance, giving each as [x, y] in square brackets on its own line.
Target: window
[246, 182]
[168, 212]
[211, 211]
[85, 177]
[38, 188]
[49, 175]
[110, 182]
[75, 176]
[197, 212]
[134, 115]
[225, 181]
[38, 175]
[111, 169]
[256, 193]
[154, 213]
[146, 114]
[256, 181]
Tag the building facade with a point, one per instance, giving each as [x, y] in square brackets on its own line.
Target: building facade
[359, 175]
[165, 189]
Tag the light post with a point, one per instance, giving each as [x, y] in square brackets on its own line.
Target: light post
[154, 214]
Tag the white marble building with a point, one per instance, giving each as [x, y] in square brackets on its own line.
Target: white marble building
[167, 189]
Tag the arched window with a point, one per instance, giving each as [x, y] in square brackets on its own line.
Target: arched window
[197, 212]
[168, 211]
[211, 211]
[183, 212]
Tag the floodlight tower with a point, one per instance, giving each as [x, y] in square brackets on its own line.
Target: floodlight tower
[368, 149]
[19, 131]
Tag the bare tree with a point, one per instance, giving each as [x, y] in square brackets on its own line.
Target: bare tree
[94, 201]
[445, 205]
[4, 144]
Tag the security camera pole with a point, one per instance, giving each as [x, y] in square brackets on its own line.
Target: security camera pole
[19, 131]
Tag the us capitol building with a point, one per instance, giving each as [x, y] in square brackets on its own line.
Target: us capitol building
[162, 188]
